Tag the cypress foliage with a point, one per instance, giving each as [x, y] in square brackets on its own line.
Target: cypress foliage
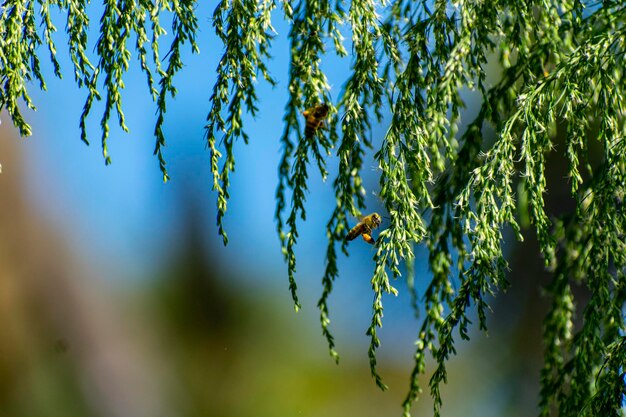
[446, 185]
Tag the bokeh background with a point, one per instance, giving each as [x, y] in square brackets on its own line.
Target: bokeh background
[118, 299]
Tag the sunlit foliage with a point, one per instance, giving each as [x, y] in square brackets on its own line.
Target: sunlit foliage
[453, 187]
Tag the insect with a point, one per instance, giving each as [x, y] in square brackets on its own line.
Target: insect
[314, 119]
[365, 227]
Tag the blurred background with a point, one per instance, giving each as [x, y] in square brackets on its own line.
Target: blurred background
[119, 300]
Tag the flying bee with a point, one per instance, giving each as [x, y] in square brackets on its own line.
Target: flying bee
[314, 119]
[365, 227]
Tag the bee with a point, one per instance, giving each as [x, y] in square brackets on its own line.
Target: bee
[314, 119]
[365, 227]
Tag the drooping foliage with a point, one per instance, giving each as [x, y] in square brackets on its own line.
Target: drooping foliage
[455, 186]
